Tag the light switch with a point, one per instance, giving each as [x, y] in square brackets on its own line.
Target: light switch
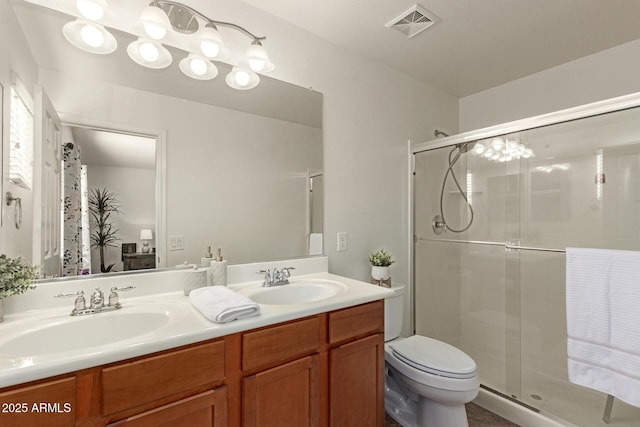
[343, 242]
[176, 243]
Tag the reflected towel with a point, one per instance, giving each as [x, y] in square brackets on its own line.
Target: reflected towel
[603, 318]
[315, 244]
[221, 305]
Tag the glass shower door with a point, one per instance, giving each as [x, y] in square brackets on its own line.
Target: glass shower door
[497, 289]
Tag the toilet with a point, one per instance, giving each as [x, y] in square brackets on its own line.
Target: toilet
[427, 382]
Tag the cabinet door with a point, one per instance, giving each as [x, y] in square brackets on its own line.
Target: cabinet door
[356, 383]
[287, 395]
[204, 409]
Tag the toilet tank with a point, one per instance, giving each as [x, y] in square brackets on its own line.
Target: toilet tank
[394, 313]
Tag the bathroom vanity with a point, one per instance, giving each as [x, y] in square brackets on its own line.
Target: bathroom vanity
[318, 363]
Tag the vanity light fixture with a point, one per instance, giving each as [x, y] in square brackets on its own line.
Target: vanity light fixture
[169, 23]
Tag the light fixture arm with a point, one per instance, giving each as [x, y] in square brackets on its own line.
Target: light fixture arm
[209, 20]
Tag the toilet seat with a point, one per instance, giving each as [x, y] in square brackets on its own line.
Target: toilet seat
[434, 357]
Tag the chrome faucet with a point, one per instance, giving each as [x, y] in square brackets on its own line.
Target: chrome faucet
[96, 303]
[276, 277]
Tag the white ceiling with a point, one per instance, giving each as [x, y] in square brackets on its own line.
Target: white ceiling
[477, 44]
[99, 147]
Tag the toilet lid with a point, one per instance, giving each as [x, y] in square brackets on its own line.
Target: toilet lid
[434, 357]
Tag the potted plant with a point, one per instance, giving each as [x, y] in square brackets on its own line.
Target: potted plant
[380, 271]
[16, 277]
[102, 205]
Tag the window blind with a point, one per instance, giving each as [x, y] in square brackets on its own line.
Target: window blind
[21, 126]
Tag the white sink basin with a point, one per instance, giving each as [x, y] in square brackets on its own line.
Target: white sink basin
[295, 293]
[57, 334]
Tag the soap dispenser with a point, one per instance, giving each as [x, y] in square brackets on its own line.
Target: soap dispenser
[208, 257]
[219, 270]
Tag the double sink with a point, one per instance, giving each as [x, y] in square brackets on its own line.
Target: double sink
[49, 334]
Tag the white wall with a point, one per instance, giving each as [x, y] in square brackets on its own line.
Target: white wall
[16, 57]
[607, 74]
[369, 113]
[135, 189]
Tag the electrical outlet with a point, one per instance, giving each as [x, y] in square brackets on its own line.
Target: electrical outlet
[176, 243]
[343, 242]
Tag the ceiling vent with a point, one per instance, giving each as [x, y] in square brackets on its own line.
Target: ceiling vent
[413, 21]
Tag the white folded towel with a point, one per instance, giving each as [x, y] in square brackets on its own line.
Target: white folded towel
[315, 244]
[603, 321]
[221, 305]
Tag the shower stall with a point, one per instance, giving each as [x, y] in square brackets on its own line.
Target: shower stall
[493, 212]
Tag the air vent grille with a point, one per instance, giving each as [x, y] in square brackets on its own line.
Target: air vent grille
[413, 21]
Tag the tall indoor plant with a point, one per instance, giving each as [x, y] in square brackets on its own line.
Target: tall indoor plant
[103, 204]
[16, 277]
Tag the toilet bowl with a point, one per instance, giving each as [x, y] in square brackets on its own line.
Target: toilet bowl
[427, 382]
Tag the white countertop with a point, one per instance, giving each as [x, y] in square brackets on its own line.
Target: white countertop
[186, 326]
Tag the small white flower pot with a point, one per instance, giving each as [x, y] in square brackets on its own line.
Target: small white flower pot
[381, 276]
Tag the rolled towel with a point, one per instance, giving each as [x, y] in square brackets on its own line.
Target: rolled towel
[221, 305]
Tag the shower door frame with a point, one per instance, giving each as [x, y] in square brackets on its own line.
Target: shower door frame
[574, 113]
[562, 116]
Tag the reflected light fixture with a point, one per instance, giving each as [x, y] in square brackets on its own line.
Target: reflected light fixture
[174, 24]
[503, 149]
[242, 79]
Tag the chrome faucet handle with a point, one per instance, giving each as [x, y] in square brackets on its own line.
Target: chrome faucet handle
[268, 276]
[79, 304]
[286, 271]
[114, 299]
[97, 299]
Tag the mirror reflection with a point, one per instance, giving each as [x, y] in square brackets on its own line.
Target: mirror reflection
[240, 171]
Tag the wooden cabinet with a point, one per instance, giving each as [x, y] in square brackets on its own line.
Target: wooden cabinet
[356, 383]
[47, 404]
[326, 369]
[138, 261]
[128, 385]
[277, 344]
[202, 410]
[287, 395]
[356, 366]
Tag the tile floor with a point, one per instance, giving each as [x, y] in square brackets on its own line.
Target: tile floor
[477, 416]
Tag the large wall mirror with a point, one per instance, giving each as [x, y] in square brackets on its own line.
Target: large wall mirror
[197, 164]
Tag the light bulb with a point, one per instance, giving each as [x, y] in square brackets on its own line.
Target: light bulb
[90, 10]
[154, 31]
[497, 144]
[479, 148]
[198, 66]
[209, 48]
[149, 52]
[91, 36]
[256, 64]
[242, 78]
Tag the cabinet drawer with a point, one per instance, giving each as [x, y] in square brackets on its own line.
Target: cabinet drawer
[279, 343]
[135, 383]
[356, 321]
[49, 404]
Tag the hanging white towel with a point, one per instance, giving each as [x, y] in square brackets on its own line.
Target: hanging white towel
[315, 244]
[221, 305]
[603, 321]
